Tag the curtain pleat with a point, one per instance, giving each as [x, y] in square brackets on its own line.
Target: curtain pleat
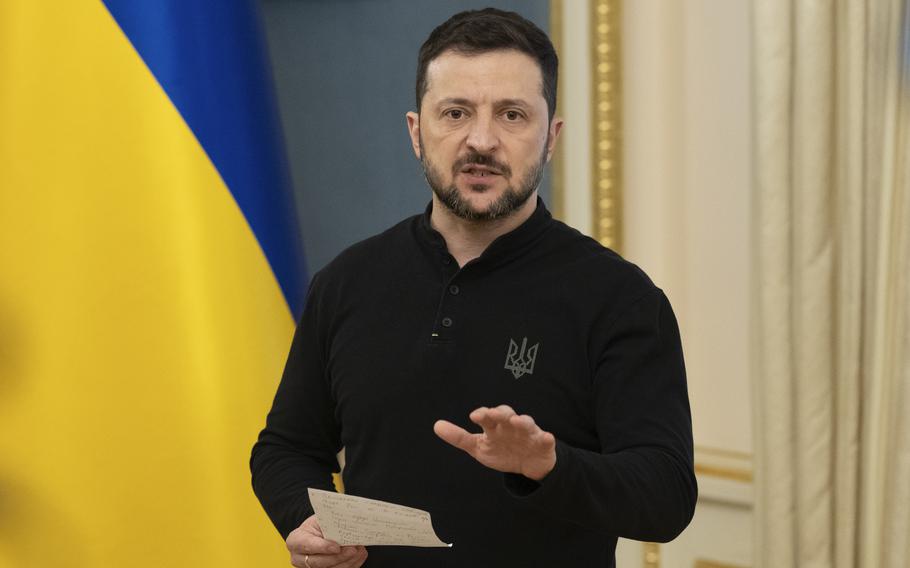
[775, 449]
[832, 302]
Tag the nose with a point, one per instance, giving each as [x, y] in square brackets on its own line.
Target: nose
[482, 137]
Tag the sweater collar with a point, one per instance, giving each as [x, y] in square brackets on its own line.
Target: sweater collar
[503, 246]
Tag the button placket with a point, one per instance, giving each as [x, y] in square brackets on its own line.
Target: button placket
[447, 310]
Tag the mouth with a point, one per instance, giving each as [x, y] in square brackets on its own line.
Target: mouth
[479, 171]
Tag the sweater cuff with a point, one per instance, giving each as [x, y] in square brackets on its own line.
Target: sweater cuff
[526, 488]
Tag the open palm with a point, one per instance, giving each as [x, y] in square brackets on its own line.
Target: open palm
[510, 442]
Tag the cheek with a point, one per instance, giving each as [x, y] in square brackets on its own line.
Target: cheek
[441, 151]
[529, 153]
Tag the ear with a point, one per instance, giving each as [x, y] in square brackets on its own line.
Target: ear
[414, 131]
[553, 134]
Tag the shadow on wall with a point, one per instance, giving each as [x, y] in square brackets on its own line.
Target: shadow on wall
[31, 528]
[12, 353]
[31, 531]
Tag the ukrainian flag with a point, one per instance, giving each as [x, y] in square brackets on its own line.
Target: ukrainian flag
[150, 273]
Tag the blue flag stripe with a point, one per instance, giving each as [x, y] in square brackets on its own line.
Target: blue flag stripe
[212, 61]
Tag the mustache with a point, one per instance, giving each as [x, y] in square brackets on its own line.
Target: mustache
[481, 160]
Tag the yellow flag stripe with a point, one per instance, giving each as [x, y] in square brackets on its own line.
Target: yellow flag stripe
[142, 331]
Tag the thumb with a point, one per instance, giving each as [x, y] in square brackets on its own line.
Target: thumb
[454, 435]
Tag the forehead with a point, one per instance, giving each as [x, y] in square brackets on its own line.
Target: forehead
[504, 73]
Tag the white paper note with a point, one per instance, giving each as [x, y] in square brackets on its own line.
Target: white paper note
[348, 520]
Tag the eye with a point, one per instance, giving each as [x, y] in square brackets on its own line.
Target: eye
[512, 115]
[454, 114]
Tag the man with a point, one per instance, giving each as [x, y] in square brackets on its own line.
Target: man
[484, 312]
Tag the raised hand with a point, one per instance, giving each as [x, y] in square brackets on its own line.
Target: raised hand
[510, 442]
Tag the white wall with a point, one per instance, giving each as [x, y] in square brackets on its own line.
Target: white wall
[687, 193]
[575, 84]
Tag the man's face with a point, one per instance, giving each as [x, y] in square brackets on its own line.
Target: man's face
[483, 134]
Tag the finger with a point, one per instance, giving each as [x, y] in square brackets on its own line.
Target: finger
[308, 539]
[492, 418]
[524, 423]
[486, 418]
[364, 554]
[455, 435]
[311, 525]
[311, 561]
[342, 559]
[505, 411]
[350, 556]
[478, 415]
[300, 560]
[356, 561]
[501, 414]
[545, 441]
[549, 441]
[311, 544]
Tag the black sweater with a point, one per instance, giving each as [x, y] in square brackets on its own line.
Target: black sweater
[395, 336]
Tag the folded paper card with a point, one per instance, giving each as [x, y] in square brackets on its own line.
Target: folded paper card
[349, 520]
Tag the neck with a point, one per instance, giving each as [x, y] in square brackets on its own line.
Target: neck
[466, 240]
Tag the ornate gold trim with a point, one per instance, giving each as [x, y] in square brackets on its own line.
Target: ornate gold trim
[742, 475]
[702, 563]
[722, 452]
[557, 163]
[724, 463]
[650, 555]
[606, 143]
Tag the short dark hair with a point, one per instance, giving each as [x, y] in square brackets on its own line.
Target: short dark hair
[480, 31]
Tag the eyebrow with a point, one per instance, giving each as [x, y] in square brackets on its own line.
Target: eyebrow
[513, 102]
[500, 103]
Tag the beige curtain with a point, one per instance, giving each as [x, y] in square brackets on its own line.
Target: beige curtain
[832, 295]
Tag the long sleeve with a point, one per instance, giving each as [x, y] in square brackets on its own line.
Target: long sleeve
[641, 485]
[298, 446]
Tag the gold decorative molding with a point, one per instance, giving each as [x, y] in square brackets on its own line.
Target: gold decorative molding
[701, 563]
[741, 475]
[606, 143]
[650, 555]
[557, 162]
[708, 450]
[724, 463]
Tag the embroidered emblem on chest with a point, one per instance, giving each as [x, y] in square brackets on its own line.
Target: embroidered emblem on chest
[521, 360]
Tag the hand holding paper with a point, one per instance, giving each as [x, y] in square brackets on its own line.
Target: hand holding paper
[349, 520]
[309, 549]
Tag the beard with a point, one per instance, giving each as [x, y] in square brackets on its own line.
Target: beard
[511, 199]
